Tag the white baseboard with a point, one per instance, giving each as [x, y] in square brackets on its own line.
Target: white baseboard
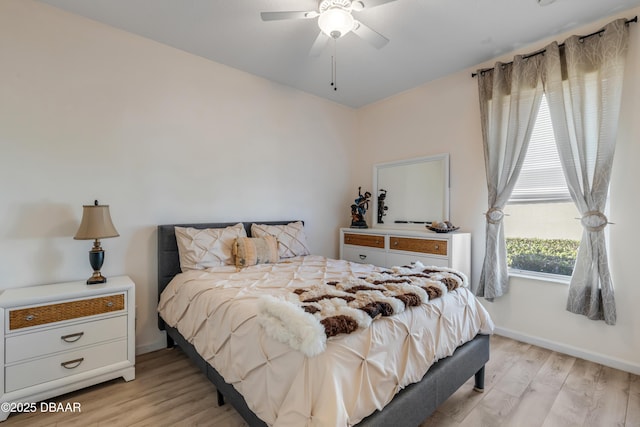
[602, 359]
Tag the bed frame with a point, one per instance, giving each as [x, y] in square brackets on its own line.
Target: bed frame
[410, 407]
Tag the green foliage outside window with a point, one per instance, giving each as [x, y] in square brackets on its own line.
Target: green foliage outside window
[555, 256]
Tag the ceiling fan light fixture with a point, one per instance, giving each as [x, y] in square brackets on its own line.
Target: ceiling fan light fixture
[336, 22]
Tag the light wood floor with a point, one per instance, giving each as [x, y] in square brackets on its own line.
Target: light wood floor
[525, 386]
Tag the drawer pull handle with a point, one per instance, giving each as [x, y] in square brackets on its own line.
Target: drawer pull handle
[363, 257]
[72, 337]
[72, 364]
[110, 304]
[30, 317]
[395, 243]
[437, 247]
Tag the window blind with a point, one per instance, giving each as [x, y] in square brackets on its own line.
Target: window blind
[541, 178]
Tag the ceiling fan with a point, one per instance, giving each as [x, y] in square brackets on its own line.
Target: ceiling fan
[335, 19]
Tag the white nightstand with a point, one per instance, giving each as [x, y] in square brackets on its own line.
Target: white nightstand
[62, 337]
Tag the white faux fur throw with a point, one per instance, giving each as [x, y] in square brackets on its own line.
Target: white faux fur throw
[306, 317]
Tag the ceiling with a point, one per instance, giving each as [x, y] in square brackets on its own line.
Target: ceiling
[428, 38]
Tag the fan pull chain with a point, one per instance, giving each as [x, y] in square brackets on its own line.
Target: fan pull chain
[333, 73]
[334, 84]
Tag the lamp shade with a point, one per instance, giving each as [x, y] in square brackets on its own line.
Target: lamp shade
[96, 223]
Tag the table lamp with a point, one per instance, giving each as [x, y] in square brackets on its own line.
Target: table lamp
[95, 225]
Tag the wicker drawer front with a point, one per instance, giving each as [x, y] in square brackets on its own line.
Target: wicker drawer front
[370, 240]
[43, 314]
[427, 246]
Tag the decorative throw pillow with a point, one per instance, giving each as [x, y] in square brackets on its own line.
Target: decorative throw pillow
[291, 238]
[255, 250]
[207, 247]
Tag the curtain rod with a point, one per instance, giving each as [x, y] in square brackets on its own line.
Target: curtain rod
[540, 52]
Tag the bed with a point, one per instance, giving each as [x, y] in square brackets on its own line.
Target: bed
[402, 405]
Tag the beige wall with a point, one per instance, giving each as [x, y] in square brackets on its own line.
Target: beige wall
[90, 112]
[443, 116]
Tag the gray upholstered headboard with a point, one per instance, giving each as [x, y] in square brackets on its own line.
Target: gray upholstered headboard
[168, 258]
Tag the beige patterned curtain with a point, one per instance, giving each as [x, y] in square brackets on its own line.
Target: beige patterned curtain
[510, 96]
[584, 87]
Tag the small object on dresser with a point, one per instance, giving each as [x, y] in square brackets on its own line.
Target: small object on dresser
[359, 209]
[442, 227]
[96, 224]
[382, 208]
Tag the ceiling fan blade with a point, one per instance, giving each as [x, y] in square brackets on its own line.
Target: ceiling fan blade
[319, 44]
[358, 5]
[277, 16]
[376, 39]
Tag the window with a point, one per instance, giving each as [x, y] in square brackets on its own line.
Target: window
[541, 228]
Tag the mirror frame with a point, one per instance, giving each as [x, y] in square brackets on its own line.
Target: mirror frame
[444, 158]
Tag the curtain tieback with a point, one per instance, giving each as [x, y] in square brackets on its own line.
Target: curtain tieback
[594, 221]
[494, 215]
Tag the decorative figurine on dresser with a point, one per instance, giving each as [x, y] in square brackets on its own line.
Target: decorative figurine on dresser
[359, 209]
[382, 207]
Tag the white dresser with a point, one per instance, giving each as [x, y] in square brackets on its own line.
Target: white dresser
[387, 247]
[62, 337]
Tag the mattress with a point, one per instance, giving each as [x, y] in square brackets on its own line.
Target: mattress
[217, 311]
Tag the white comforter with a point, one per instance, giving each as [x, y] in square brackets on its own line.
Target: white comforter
[216, 311]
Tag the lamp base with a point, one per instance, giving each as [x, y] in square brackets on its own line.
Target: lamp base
[96, 278]
[96, 258]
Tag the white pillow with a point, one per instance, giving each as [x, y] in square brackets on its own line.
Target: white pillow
[291, 238]
[207, 247]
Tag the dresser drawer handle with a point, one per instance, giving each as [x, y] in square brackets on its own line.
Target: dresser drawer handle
[72, 337]
[437, 247]
[72, 364]
[29, 317]
[109, 303]
[363, 257]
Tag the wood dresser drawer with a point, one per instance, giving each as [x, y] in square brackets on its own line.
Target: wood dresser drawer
[50, 313]
[62, 365]
[364, 255]
[408, 258]
[370, 240]
[426, 246]
[37, 344]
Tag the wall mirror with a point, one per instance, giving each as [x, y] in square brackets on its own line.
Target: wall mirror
[411, 192]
